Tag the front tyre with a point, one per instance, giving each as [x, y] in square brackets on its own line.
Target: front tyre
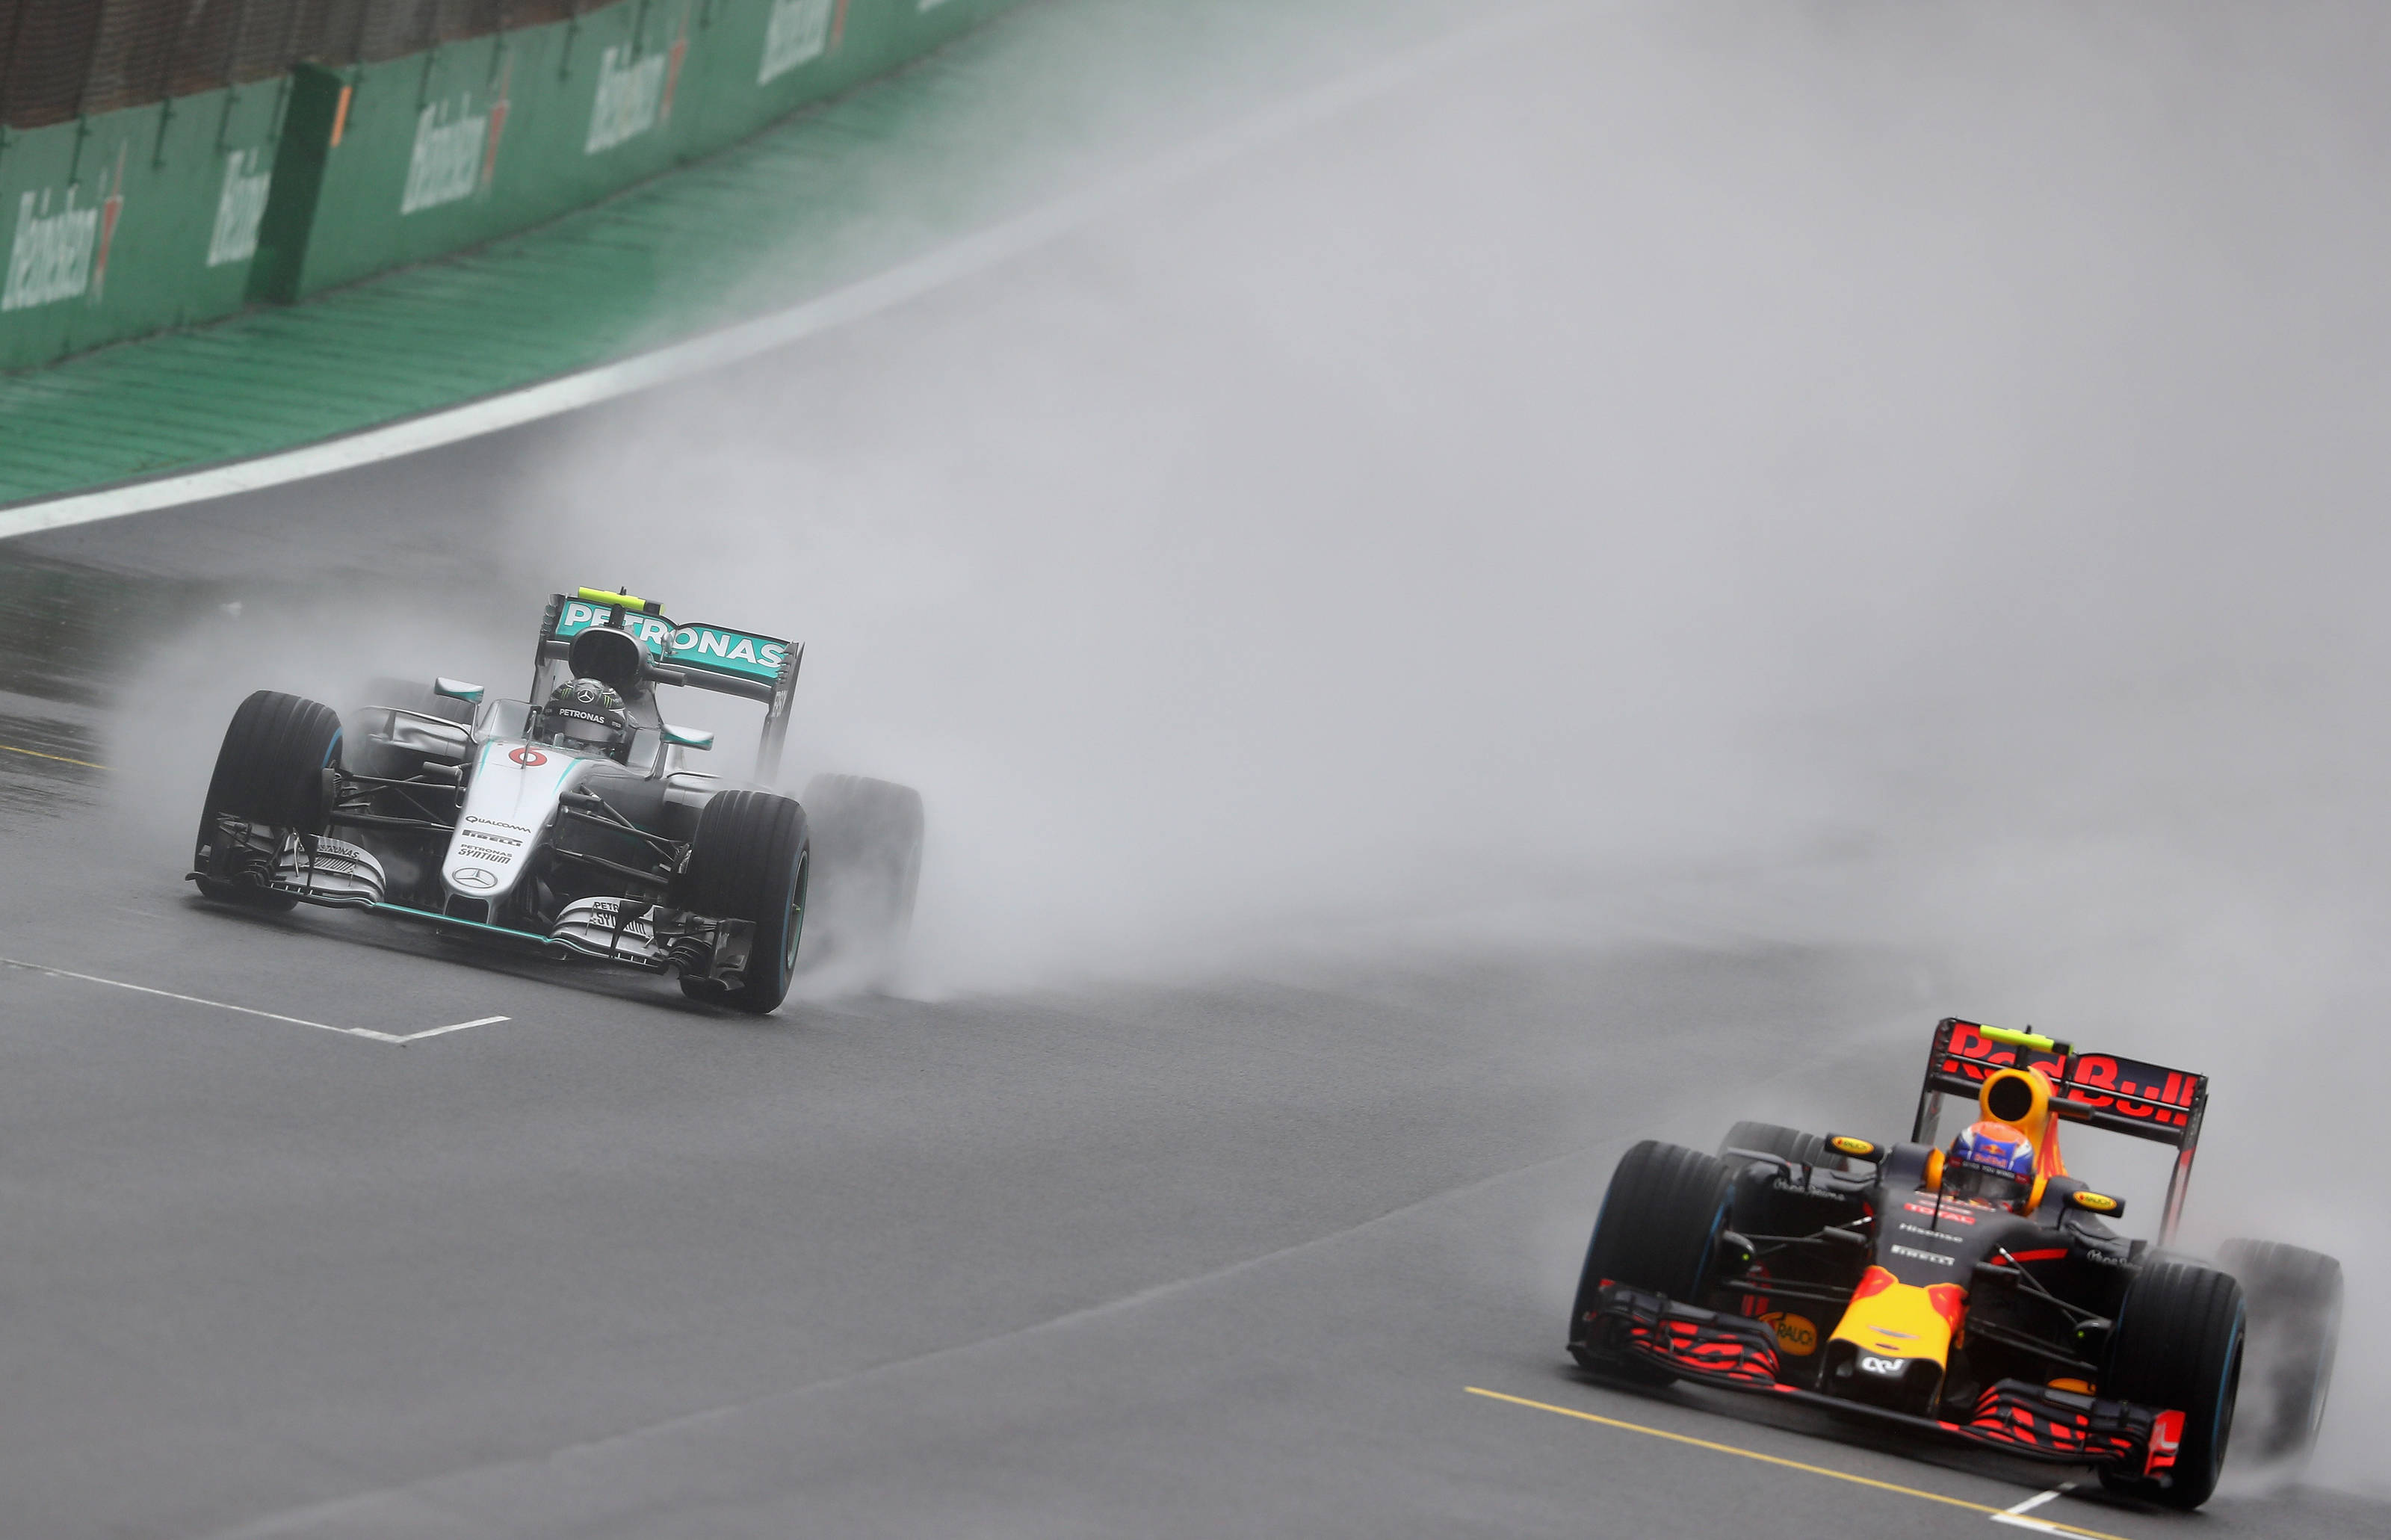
[2177, 1347]
[750, 860]
[269, 775]
[2294, 1307]
[1658, 1231]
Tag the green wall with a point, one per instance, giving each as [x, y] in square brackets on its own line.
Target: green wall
[130, 221]
[328, 175]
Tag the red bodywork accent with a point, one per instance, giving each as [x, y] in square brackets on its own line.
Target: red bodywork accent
[2166, 1437]
[2013, 1414]
[1723, 1348]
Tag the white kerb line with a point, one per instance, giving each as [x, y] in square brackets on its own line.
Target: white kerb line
[246, 1010]
[457, 1027]
[2016, 1515]
[974, 253]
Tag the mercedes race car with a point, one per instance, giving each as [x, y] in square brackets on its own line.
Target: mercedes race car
[1977, 1292]
[568, 822]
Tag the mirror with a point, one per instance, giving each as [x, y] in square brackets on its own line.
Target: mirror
[457, 689]
[687, 737]
[417, 733]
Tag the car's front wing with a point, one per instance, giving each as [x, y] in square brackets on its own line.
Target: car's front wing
[1735, 1353]
[337, 874]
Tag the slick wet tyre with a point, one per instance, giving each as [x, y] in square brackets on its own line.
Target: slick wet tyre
[1658, 1231]
[1808, 1149]
[269, 773]
[2294, 1300]
[750, 860]
[2178, 1346]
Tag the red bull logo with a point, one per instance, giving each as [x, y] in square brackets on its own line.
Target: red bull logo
[2103, 1082]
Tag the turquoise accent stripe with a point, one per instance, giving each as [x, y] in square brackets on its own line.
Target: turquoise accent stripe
[544, 943]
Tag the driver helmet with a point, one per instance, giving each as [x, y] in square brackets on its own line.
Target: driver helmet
[585, 714]
[1990, 1163]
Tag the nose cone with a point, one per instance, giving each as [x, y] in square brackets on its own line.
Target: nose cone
[512, 796]
[1895, 1318]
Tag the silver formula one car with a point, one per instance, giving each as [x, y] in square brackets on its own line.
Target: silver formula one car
[569, 822]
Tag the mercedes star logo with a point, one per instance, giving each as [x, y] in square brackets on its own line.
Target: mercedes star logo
[472, 876]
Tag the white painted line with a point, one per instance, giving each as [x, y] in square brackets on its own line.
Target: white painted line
[195, 999]
[909, 280]
[2061, 1489]
[477, 1021]
[2015, 1515]
[401, 1041]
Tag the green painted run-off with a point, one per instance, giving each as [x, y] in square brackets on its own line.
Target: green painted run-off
[127, 221]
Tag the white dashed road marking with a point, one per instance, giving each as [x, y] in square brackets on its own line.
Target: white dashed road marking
[402, 1038]
[433, 1032]
[2016, 1513]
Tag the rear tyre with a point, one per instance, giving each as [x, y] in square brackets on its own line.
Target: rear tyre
[269, 773]
[867, 843]
[1658, 1232]
[750, 861]
[2178, 1346]
[2295, 1328]
[1808, 1149]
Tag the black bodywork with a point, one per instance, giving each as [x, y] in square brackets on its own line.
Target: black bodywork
[2030, 1299]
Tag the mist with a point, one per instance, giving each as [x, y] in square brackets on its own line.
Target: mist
[1796, 446]
[1875, 474]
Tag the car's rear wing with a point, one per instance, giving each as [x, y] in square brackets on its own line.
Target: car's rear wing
[746, 664]
[2129, 1096]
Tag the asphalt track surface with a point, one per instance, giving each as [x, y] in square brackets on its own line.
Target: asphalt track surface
[1234, 1256]
[1229, 1259]
[1277, 1254]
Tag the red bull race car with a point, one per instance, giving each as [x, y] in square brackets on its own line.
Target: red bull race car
[1977, 1292]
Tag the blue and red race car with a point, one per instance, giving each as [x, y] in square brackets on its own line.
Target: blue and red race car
[1978, 1293]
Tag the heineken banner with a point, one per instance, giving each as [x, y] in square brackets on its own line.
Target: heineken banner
[132, 220]
[356, 161]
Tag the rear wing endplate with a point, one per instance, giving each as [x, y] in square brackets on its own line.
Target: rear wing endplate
[746, 664]
[2106, 1091]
